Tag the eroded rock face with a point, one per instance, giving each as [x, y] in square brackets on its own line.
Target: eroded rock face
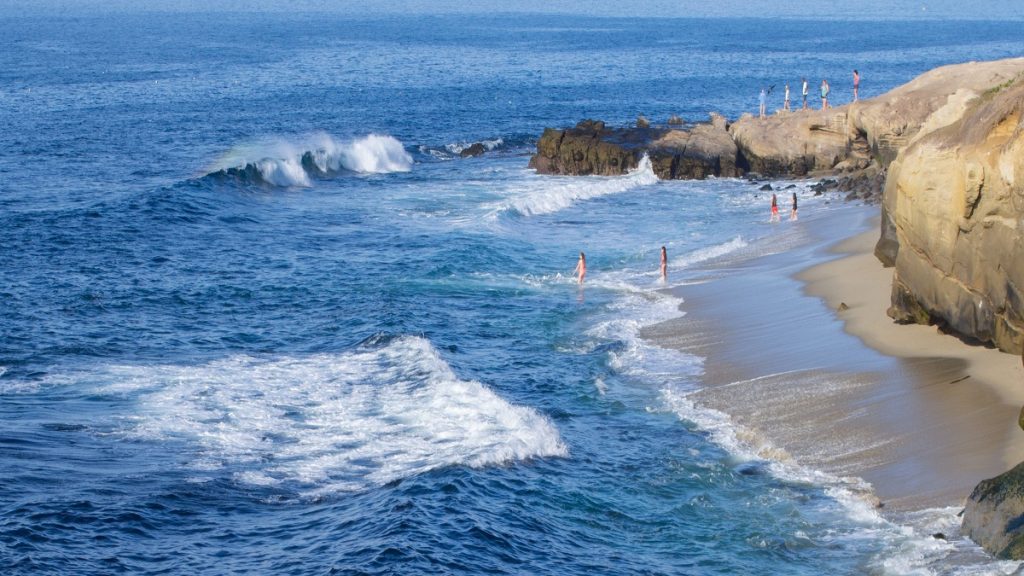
[793, 144]
[587, 149]
[591, 148]
[955, 197]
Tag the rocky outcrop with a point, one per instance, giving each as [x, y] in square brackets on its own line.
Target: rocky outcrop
[994, 515]
[946, 147]
[955, 201]
[796, 144]
[890, 122]
[592, 148]
[694, 154]
[475, 149]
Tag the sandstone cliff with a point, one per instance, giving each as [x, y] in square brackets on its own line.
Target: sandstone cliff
[954, 199]
[796, 143]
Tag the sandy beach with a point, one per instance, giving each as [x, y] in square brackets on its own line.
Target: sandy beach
[920, 415]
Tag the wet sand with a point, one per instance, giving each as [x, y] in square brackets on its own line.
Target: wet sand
[920, 415]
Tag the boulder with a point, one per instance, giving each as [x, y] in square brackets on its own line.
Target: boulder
[994, 515]
[474, 149]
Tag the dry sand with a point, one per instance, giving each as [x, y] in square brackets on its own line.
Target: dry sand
[964, 419]
[920, 415]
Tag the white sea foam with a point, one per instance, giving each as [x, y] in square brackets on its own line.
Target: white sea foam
[709, 253]
[333, 422]
[458, 147]
[279, 161]
[557, 193]
[908, 545]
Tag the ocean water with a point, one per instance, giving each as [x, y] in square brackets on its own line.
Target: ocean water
[259, 316]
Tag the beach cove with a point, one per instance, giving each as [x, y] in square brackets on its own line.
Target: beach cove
[282, 295]
[922, 422]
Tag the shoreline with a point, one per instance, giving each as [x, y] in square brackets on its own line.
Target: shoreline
[973, 432]
[921, 416]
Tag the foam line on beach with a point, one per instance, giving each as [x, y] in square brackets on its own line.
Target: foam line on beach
[910, 547]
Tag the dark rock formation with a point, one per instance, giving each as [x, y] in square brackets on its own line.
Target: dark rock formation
[994, 515]
[475, 149]
[592, 148]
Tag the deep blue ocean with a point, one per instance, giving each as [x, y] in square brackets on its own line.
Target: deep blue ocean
[258, 315]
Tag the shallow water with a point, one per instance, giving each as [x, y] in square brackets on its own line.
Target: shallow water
[219, 353]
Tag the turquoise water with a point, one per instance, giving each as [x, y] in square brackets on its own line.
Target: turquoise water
[260, 317]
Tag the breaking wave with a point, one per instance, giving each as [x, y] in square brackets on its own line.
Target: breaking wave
[328, 423]
[562, 192]
[284, 163]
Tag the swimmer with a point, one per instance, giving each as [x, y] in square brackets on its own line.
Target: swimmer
[775, 210]
[581, 268]
[792, 215]
[664, 264]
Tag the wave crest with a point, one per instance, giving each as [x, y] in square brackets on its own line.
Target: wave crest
[285, 163]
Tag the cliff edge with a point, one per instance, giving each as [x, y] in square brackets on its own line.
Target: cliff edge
[954, 203]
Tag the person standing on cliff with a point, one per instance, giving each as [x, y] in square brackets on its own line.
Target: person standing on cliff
[775, 210]
[856, 84]
[763, 99]
[581, 268]
[805, 92]
[664, 265]
[792, 215]
[785, 102]
[824, 94]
